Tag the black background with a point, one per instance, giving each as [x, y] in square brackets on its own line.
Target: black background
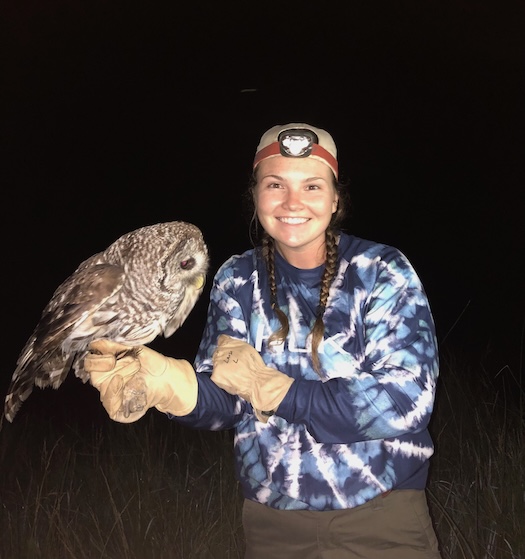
[121, 114]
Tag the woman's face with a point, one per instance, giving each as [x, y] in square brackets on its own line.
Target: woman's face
[295, 199]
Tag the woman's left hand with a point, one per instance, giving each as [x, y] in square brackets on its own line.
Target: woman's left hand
[239, 369]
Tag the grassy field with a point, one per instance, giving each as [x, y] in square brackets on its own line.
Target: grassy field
[78, 486]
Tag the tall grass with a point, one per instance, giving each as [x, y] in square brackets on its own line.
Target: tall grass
[80, 488]
[147, 490]
[477, 479]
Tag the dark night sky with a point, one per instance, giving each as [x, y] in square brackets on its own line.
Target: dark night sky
[121, 114]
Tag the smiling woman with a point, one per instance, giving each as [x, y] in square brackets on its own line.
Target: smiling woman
[319, 351]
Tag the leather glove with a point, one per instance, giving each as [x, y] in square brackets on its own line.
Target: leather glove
[239, 369]
[133, 379]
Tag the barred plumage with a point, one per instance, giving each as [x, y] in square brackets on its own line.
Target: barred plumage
[144, 284]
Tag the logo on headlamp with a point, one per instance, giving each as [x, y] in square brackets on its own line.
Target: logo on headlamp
[297, 142]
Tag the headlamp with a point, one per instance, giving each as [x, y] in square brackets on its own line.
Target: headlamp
[296, 142]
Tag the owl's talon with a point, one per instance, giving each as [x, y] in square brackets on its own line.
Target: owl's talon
[131, 352]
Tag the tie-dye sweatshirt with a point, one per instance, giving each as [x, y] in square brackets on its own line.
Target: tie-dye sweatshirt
[360, 428]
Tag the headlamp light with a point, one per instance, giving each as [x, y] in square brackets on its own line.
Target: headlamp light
[297, 142]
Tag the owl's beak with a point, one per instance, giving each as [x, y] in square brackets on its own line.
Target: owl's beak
[200, 281]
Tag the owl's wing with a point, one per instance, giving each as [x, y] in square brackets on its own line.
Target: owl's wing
[50, 352]
[76, 300]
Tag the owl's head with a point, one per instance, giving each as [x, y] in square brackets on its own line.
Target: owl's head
[185, 261]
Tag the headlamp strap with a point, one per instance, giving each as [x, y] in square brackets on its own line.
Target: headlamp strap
[276, 148]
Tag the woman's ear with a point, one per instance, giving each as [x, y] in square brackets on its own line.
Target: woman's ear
[335, 204]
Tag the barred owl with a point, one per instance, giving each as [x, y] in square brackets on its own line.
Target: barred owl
[144, 284]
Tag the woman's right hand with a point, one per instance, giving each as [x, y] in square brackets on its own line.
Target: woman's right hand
[133, 379]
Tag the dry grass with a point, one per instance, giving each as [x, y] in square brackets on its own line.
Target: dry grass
[477, 481]
[86, 490]
[149, 490]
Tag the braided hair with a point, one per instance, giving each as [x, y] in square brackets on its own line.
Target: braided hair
[260, 237]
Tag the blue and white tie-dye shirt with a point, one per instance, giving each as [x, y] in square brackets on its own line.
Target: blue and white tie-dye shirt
[360, 428]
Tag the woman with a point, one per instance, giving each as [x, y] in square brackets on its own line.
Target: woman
[320, 352]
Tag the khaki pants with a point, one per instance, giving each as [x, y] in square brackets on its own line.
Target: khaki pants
[394, 526]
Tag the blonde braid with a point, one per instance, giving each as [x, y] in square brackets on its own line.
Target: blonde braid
[268, 252]
[326, 281]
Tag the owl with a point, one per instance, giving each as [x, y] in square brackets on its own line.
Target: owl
[144, 284]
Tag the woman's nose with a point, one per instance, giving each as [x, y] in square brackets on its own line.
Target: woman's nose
[293, 200]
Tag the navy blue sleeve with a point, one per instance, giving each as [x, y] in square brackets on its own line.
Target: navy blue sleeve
[216, 410]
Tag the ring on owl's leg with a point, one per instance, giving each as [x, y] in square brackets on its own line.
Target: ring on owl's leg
[134, 396]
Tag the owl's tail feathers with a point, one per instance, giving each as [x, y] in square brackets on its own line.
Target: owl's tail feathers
[15, 398]
[50, 371]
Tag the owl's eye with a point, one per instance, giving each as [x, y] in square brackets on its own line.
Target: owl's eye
[187, 264]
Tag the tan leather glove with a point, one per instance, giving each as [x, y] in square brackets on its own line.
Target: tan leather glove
[109, 366]
[132, 380]
[239, 369]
